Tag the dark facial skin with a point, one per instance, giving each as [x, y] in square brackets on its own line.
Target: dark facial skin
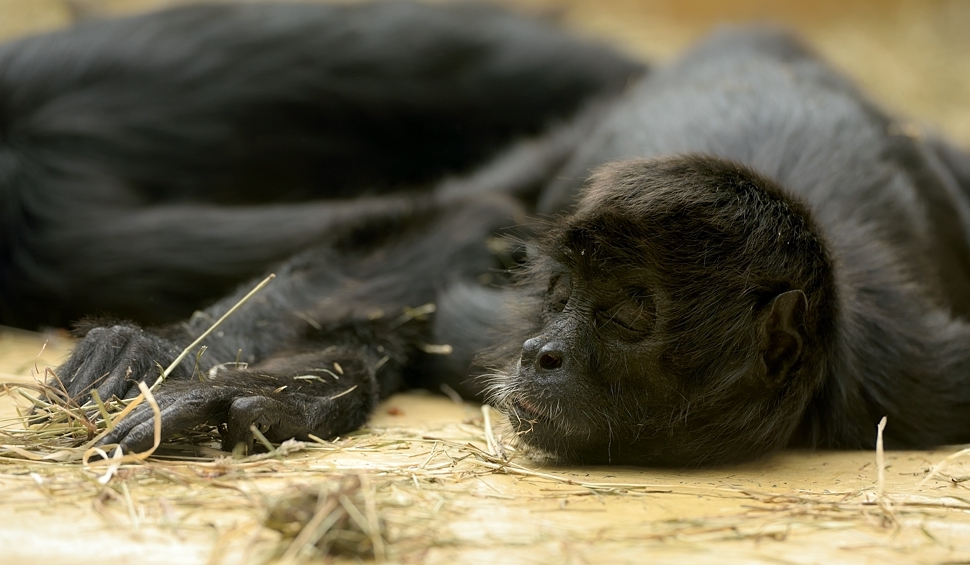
[644, 353]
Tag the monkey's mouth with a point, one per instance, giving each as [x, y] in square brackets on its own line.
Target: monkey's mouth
[526, 411]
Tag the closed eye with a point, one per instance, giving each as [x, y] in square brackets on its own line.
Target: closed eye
[633, 316]
[559, 292]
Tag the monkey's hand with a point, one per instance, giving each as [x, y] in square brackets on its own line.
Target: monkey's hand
[279, 406]
[183, 406]
[113, 359]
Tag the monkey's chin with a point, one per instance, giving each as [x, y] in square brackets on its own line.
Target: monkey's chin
[543, 437]
[544, 429]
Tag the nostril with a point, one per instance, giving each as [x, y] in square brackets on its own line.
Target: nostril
[550, 361]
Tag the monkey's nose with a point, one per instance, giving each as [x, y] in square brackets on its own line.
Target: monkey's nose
[550, 358]
[542, 354]
[531, 348]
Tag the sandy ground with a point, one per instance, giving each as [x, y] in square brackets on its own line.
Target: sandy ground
[444, 499]
[430, 476]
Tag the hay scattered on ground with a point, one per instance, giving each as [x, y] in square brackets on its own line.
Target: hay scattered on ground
[337, 517]
[395, 494]
[402, 493]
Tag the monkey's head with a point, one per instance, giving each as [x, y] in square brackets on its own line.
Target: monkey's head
[677, 317]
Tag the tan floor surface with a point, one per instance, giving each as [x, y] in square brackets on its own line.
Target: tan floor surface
[444, 500]
[439, 493]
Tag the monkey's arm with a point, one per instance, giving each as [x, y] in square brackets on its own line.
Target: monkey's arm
[355, 302]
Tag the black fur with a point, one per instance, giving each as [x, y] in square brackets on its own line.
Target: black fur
[761, 258]
[800, 269]
[341, 327]
[150, 164]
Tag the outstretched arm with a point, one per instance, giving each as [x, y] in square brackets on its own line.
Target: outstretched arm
[340, 327]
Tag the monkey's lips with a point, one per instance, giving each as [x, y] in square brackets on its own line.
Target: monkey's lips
[525, 410]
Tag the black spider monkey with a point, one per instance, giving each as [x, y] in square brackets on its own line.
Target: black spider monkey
[762, 258]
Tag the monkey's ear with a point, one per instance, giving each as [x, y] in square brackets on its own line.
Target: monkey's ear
[781, 334]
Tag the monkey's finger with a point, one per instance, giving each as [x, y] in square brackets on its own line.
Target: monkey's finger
[123, 376]
[85, 367]
[140, 415]
[278, 418]
[245, 412]
[181, 410]
[113, 359]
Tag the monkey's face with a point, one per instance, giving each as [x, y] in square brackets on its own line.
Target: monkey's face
[664, 328]
[578, 374]
[603, 380]
[624, 370]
